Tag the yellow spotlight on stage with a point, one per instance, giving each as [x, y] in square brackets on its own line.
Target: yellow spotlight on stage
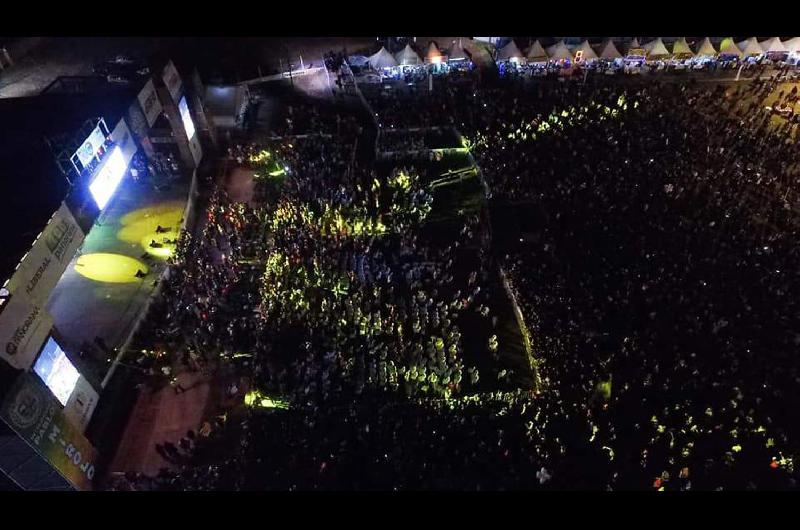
[140, 223]
[163, 249]
[109, 268]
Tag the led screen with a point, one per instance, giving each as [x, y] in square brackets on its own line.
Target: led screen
[108, 178]
[186, 117]
[56, 371]
[90, 147]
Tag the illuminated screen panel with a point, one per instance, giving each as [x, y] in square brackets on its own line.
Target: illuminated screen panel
[90, 146]
[188, 124]
[56, 370]
[108, 178]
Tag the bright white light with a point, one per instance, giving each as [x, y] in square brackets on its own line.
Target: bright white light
[108, 178]
[188, 124]
[56, 371]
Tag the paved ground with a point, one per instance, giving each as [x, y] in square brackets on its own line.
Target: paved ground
[39, 61]
[162, 415]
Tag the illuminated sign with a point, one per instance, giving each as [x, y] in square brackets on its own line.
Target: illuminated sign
[186, 117]
[108, 178]
[90, 147]
[578, 56]
[56, 370]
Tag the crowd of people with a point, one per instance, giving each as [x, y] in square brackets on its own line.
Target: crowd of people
[659, 294]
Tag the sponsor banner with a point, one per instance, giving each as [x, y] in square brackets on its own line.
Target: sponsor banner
[81, 404]
[122, 137]
[43, 265]
[24, 327]
[34, 414]
[172, 80]
[151, 106]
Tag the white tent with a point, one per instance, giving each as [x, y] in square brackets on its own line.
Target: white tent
[773, 45]
[750, 47]
[382, 59]
[457, 52]
[408, 56]
[434, 55]
[656, 48]
[706, 48]
[357, 60]
[536, 54]
[559, 52]
[509, 52]
[793, 45]
[610, 51]
[588, 52]
[728, 47]
[681, 48]
[634, 44]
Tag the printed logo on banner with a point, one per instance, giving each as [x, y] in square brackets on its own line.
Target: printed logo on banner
[172, 80]
[34, 414]
[148, 99]
[21, 331]
[26, 408]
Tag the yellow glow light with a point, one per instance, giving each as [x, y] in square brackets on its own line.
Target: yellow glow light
[109, 268]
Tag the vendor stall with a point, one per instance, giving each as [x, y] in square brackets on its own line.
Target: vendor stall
[705, 49]
[509, 53]
[774, 49]
[382, 60]
[559, 52]
[584, 53]
[750, 47]
[729, 50]
[536, 53]
[609, 51]
[656, 50]
[408, 57]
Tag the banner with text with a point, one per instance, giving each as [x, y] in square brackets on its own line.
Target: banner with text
[24, 327]
[44, 264]
[33, 413]
[81, 404]
[151, 106]
[172, 80]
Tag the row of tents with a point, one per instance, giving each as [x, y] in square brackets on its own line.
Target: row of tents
[408, 57]
[654, 49]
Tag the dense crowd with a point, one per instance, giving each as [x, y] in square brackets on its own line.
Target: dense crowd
[658, 291]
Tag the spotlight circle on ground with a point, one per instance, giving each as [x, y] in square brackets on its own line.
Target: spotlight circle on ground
[110, 268]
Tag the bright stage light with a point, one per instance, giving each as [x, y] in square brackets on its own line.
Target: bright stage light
[186, 117]
[56, 370]
[108, 178]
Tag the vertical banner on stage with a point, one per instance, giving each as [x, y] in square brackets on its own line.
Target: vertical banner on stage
[172, 80]
[24, 327]
[43, 265]
[81, 404]
[34, 414]
[151, 106]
